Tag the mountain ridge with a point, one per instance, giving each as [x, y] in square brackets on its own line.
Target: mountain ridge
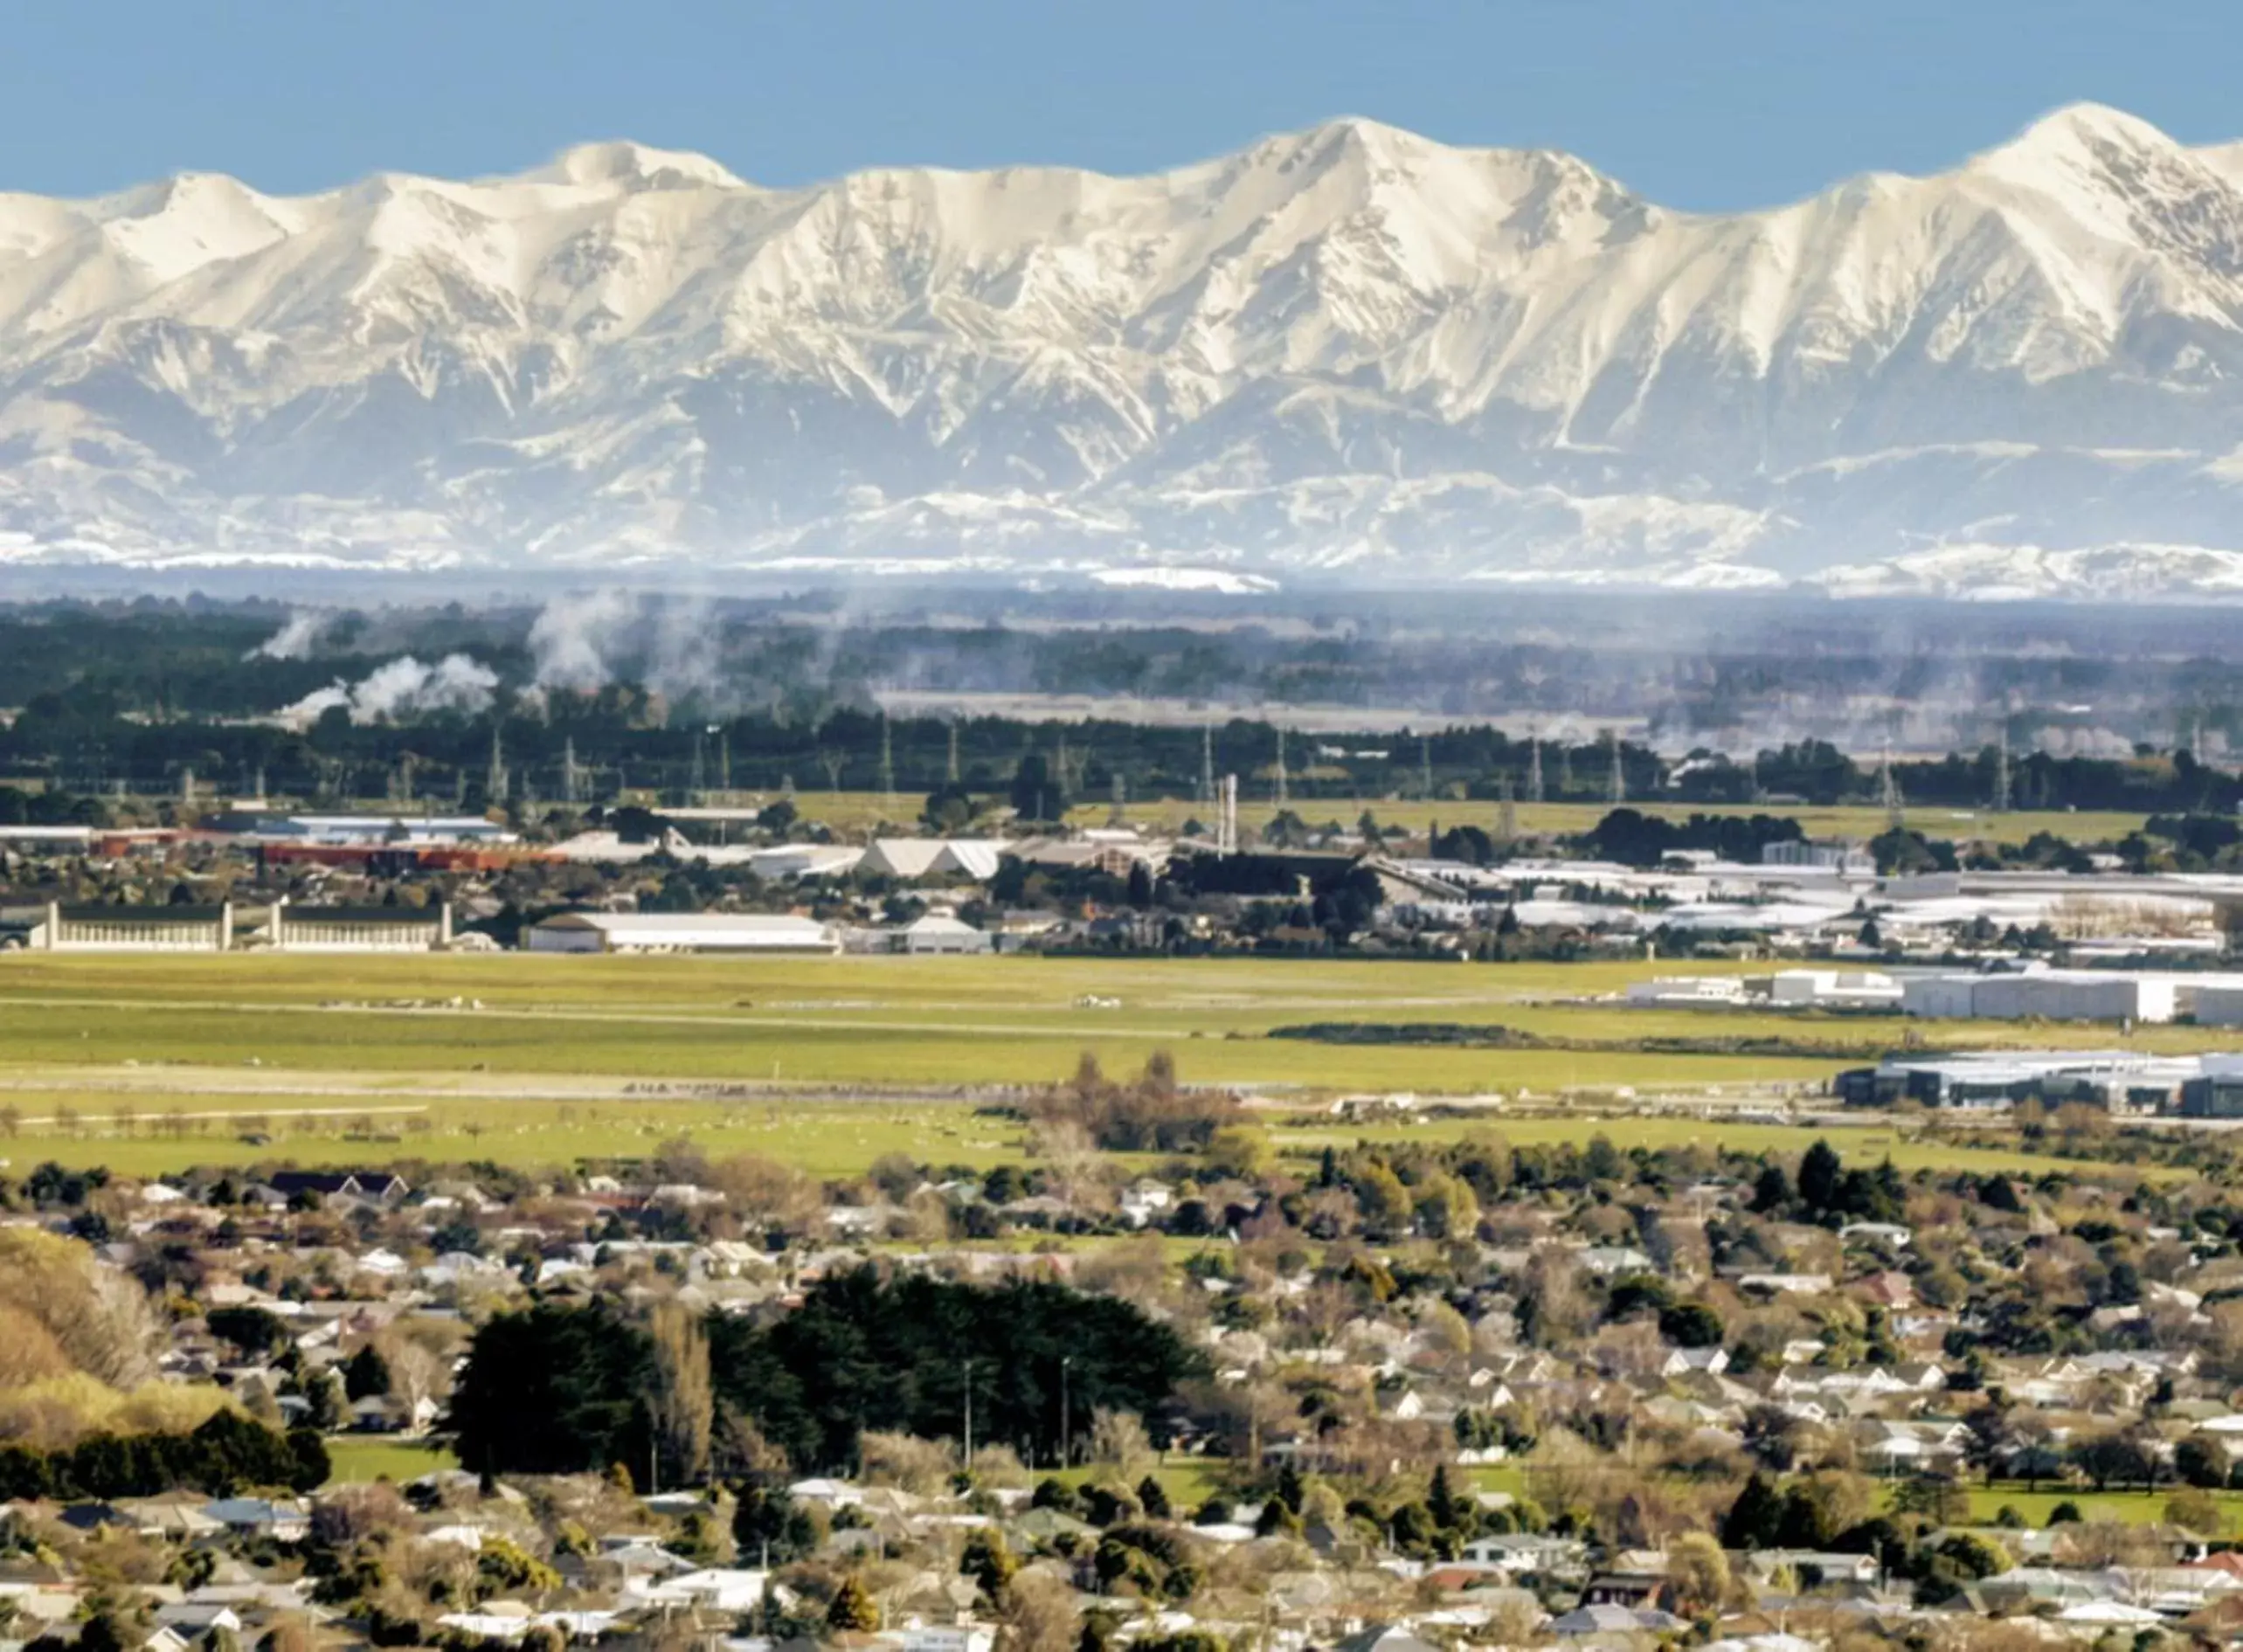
[1348, 353]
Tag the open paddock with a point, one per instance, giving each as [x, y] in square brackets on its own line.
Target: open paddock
[859, 813]
[145, 1063]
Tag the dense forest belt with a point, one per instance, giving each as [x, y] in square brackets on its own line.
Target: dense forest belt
[1490, 1036]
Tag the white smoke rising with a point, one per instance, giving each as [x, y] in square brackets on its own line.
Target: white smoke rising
[574, 636]
[582, 642]
[685, 657]
[295, 640]
[404, 688]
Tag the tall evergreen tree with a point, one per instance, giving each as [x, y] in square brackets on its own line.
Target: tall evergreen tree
[1755, 1519]
[1818, 1176]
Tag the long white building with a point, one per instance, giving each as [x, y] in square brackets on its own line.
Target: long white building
[277, 926]
[769, 933]
[2041, 994]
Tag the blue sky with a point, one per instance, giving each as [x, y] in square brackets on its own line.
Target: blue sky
[1699, 104]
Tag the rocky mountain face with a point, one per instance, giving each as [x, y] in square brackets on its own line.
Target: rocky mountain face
[1344, 353]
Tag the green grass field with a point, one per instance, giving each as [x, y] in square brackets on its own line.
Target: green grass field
[2130, 1507]
[358, 1459]
[858, 813]
[149, 1062]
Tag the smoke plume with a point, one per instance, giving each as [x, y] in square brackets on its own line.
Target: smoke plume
[295, 640]
[574, 637]
[402, 689]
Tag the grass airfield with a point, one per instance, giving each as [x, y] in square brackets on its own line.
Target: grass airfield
[148, 1063]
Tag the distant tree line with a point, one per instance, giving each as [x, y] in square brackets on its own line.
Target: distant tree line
[1633, 838]
[139, 695]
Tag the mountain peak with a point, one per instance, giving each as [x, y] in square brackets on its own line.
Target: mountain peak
[1364, 133]
[1346, 347]
[635, 165]
[2083, 127]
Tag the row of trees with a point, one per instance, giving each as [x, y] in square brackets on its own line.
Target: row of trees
[555, 1389]
[226, 1455]
[1151, 1114]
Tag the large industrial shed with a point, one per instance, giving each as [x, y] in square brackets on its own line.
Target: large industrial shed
[908, 859]
[2144, 996]
[757, 932]
[228, 927]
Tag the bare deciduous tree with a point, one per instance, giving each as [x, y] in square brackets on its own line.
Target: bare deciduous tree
[922, 1467]
[1118, 1440]
[683, 1402]
[1040, 1615]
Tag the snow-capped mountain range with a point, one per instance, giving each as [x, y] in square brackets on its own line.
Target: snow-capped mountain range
[1345, 352]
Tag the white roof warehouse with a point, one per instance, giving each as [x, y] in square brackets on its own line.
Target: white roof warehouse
[682, 932]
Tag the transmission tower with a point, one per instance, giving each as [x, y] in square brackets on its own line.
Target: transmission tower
[1226, 827]
[571, 780]
[1280, 789]
[1888, 788]
[887, 767]
[1506, 820]
[1206, 765]
[1617, 787]
[1534, 763]
[2002, 772]
[1425, 765]
[723, 759]
[495, 777]
[950, 765]
[1118, 812]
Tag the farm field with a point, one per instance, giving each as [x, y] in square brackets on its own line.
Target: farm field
[860, 812]
[1860, 1145]
[2131, 1507]
[145, 1063]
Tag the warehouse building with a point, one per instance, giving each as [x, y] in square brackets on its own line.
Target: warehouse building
[2217, 1091]
[354, 928]
[931, 934]
[48, 840]
[1831, 990]
[230, 927]
[764, 933]
[2120, 1082]
[909, 859]
[133, 928]
[2044, 994]
[785, 860]
[1784, 990]
[339, 830]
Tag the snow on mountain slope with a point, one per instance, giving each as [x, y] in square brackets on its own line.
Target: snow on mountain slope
[1349, 353]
